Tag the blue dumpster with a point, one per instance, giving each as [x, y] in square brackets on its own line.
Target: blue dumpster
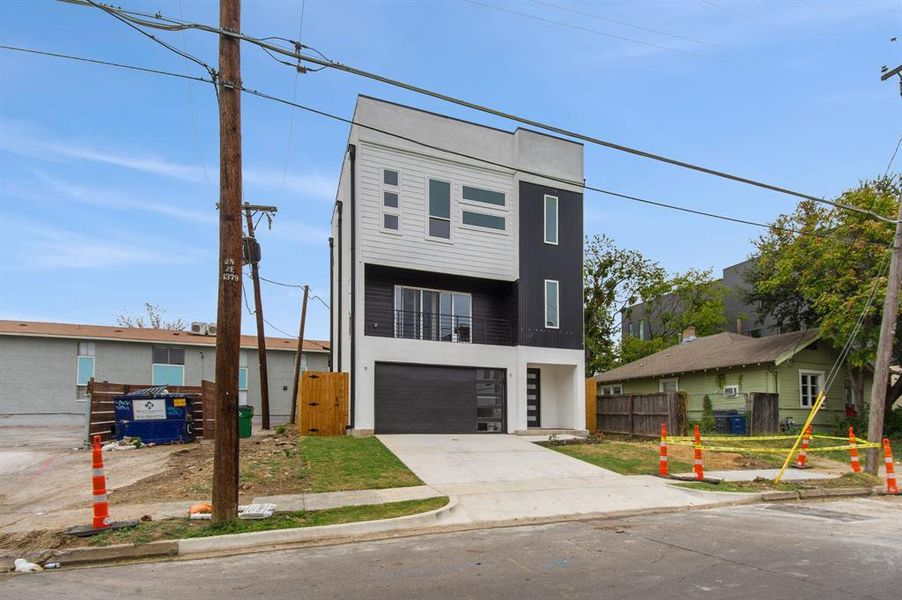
[737, 425]
[155, 416]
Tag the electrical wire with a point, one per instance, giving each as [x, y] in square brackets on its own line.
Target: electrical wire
[626, 24]
[893, 157]
[293, 285]
[294, 93]
[742, 14]
[498, 113]
[197, 145]
[588, 30]
[550, 177]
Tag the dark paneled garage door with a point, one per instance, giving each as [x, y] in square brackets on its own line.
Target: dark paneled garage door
[432, 398]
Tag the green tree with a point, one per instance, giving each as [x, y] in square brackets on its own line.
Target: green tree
[822, 274]
[613, 279]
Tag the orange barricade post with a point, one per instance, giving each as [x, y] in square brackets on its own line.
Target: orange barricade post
[891, 487]
[101, 507]
[662, 461]
[699, 469]
[803, 453]
[853, 452]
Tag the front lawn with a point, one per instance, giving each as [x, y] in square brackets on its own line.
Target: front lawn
[274, 465]
[640, 456]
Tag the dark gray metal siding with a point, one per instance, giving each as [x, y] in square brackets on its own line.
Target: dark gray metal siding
[492, 299]
[540, 261]
[424, 399]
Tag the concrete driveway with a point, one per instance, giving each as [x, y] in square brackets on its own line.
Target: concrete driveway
[500, 478]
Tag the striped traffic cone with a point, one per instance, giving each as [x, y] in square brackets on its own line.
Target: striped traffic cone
[853, 452]
[101, 508]
[662, 459]
[803, 453]
[699, 468]
[891, 487]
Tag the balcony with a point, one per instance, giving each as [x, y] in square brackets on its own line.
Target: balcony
[440, 327]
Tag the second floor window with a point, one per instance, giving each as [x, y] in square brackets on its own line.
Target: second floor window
[439, 225]
[438, 315]
[168, 366]
[391, 203]
[552, 305]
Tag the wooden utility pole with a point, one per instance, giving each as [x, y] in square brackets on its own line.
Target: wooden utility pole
[885, 347]
[249, 210]
[887, 329]
[228, 316]
[297, 359]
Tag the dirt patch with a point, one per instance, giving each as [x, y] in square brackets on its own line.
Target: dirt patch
[269, 465]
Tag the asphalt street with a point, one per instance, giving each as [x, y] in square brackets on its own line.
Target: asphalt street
[830, 550]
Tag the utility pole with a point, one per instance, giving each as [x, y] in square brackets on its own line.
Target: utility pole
[887, 330]
[253, 258]
[228, 315]
[297, 359]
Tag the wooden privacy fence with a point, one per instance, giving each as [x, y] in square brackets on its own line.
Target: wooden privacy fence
[641, 414]
[102, 420]
[323, 403]
[763, 413]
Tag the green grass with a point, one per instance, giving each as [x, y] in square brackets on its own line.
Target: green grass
[845, 481]
[626, 459]
[348, 463]
[176, 528]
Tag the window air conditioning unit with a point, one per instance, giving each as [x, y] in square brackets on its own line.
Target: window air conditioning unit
[731, 391]
[199, 328]
[211, 329]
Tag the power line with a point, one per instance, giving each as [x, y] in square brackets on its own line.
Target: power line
[294, 93]
[294, 285]
[200, 152]
[550, 177]
[498, 113]
[588, 30]
[742, 14]
[893, 157]
[626, 24]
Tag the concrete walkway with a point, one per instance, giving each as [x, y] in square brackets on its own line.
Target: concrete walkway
[504, 478]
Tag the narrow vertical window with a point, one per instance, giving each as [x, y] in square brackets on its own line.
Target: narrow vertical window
[552, 310]
[641, 329]
[551, 219]
[439, 209]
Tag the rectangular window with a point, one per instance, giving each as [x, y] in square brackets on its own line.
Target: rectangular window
[477, 195]
[390, 177]
[551, 218]
[552, 305]
[84, 365]
[390, 221]
[437, 315]
[391, 200]
[612, 390]
[809, 387]
[242, 371]
[483, 220]
[439, 209]
[641, 329]
[168, 366]
[669, 385]
[629, 328]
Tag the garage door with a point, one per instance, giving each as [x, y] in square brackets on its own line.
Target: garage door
[438, 399]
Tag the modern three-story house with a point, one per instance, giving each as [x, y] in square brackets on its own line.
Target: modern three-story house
[457, 296]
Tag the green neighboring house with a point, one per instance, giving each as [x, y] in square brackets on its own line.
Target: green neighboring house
[727, 367]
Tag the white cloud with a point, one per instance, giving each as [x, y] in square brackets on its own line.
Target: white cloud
[38, 246]
[20, 138]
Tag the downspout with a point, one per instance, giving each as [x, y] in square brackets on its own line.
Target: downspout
[339, 206]
[331, 302]
[352, 150]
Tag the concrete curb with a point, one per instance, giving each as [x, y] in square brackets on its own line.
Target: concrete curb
[280, 537]
[815, 494]
[81, 556]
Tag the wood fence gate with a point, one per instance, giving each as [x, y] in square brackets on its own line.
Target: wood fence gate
[764, 413]
[323, 403]
[591, 412]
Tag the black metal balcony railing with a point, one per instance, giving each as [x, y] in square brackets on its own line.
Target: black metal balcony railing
[416, 325]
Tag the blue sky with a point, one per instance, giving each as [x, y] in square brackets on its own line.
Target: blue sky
[108, 179]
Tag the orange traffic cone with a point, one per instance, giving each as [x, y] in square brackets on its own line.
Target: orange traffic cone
[891, 487]
[662, 459]
[101, 507]
[853, 452]
[699, 468]
[803, 453]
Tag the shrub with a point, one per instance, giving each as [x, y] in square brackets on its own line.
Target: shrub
[707, 424]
